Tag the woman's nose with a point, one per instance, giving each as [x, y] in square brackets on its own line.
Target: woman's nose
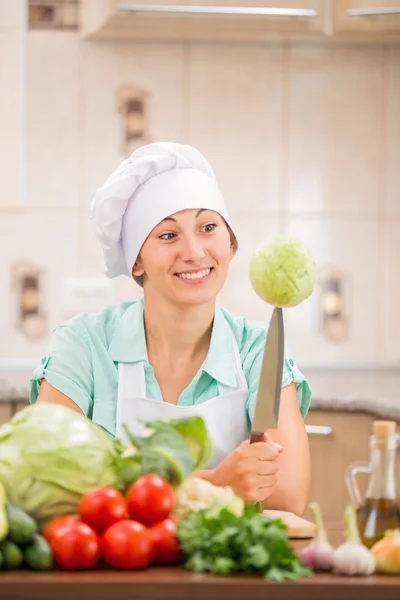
[192, 249]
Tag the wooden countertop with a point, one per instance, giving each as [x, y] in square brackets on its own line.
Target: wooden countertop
[178, 584]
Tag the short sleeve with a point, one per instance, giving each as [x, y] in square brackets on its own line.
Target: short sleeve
[291, 374]
[67, 367]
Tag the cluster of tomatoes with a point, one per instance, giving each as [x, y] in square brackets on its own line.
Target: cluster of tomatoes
[125, 532]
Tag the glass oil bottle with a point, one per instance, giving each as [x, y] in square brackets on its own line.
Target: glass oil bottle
[380, 510]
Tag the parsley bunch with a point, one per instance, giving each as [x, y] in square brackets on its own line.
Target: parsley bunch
[225, 543]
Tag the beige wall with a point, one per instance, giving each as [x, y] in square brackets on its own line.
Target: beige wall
[305, 140]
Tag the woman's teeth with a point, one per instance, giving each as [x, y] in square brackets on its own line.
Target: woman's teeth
[197, 275]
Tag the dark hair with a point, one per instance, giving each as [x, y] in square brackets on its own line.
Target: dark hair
[234, 245]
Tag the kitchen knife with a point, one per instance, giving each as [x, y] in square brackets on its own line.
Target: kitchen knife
[269, 388]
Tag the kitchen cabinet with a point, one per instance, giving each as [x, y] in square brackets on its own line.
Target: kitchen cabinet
[5, 412]
[239, 20]
[367, 17]
[340, 439]
[9, 407]
[243, 20]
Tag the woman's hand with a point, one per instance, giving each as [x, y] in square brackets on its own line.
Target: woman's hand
[250, 470]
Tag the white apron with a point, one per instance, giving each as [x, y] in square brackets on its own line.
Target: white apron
[225, 415]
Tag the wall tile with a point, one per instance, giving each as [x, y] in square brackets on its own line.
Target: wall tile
[155, 68]
[234, 116]
[89, 251]
[238, 295]
[12, 135]
[49, 240]
[352, 248]
[389, 291]
[334, 157]
[392, 134]
[53, 118]
[12, 14]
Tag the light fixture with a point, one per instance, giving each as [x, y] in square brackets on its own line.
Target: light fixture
[132, 105]
[258, 11]
[333, 318]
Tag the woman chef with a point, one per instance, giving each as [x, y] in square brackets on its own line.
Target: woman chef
[162, 220]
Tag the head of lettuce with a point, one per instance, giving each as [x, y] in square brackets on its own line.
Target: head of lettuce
[50, 456]
[282, 271]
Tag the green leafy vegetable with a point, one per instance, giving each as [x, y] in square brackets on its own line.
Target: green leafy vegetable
[50, 456]
[226, 543]
[194, 433]
[171, 448]
[282, 271]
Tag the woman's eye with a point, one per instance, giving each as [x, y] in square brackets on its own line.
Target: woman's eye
[208, 227]
[167, 236]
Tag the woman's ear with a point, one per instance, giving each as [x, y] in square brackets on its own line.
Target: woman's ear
[137, 268]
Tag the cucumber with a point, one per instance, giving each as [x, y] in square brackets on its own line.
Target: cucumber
[3, 514]
[21, 526]
[12, 555]
[38, 554]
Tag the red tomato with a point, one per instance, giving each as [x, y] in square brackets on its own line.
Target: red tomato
[56, 525]
[127, 545]
[166, 545]
[150, 499]
[76, 547]
[102, 507]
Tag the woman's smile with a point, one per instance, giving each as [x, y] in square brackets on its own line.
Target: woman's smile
[195, 277]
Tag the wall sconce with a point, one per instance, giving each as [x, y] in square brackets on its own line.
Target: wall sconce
[28, 284]
[132, 105]
[334, 321]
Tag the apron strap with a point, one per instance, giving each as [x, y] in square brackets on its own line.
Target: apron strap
[241, 382]
[131, 380]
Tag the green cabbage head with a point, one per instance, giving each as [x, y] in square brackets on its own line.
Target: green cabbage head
[282, 271]
[50, 456]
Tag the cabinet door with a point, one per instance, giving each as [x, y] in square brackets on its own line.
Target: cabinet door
[332, 453]
[370, 17]
[5, 412]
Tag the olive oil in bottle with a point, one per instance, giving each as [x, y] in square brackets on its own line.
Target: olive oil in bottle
[375, 517]
[380, 510]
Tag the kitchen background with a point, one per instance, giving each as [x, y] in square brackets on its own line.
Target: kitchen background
[300, 118]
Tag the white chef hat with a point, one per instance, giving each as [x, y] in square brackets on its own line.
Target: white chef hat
[156, 181]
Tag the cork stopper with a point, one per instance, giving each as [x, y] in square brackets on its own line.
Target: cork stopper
[384, 435]
[384, 428]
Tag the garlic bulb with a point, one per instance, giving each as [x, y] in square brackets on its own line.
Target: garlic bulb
[352, 558]
[318, 555]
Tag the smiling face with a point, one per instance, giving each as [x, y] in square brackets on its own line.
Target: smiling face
[185, 259]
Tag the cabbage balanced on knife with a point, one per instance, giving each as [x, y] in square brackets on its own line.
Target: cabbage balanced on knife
[282, 271]
[50, 456]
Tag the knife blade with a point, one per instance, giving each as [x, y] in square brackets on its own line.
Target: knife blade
[269, 388]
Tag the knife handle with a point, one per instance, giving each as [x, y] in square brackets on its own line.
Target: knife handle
[257, 436]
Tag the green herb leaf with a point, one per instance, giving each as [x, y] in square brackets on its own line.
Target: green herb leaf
[227, 543]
